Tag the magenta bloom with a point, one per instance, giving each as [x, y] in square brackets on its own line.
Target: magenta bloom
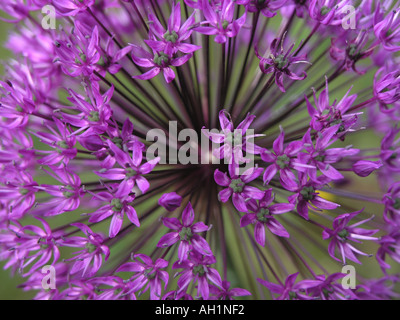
[220, 22]
[322, 158]
[118, 205]
[89, 259]
[170, 201]
[147, 275]
[159, 61]
[388, 30]
[279, 61]
[197, 269]
[364, 168]
[236, 187]
[185, 232]
[342, 233]
[290, 290]
[172, 39]
[326, 115]
[31, 245]
[73, 7]
[62, 142]
[307, 196]
[262, 215]
[268, 7]
[132, 170]
[66, 197]
[282, 160]
[391, 200]
[226, 293]
[234, 141]
[82, 56]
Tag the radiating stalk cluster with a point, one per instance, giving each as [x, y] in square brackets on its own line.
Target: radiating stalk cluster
[297, 100]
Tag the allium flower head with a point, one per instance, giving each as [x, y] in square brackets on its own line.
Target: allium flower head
[200, 149]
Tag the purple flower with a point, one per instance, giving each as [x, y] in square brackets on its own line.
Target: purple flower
[279, 61]
[267, 7]
[197, 269]
[117, 288]
[159, 61]
[327, 288]
[342, 233]
[170, 201]
[132, 170]
[31, 245]
[322, 158]
[364, 168]
[89, 259]
[220, 22]
[66, 197]
[386, 86]
[172, 39]
[307, 196]
[282, 160]
[147, 275]
[327, 115]
[94, 115]
[388, 30]
[290, 290]
[185, 232]
[61, 141]
[234, 141]
[118, 205]
[389, 247]
[79, 53]
[225, 293]
[391, 200]
[328, 12]
[235, 186]
[262, 215]
[378, 289]
[72, 7]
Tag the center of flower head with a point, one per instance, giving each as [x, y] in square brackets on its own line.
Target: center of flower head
[68, 194]
[234, 138]
[263, 215]
[116, 204]
[320, 158]
[62, 144]
[307, 193]
[225, 24]
[117, 141]
[171, 36]
[90, 247]
[236, 185]
[161, 59]
[94, 116]
[325, 10]
[199, 270]
[396, 204]
[343, 234]
[281, 62]
[283, 161]
[130, 172]
[186, 233]
[19, 108]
